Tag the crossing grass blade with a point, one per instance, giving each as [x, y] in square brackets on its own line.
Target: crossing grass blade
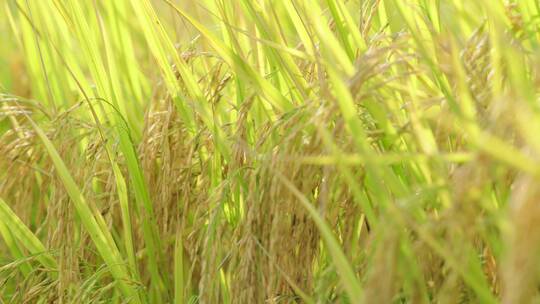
[16, 234]
[93, 222]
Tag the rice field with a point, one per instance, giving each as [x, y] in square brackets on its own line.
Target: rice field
[269, 151]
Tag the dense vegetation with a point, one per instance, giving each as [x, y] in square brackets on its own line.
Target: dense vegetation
[269, 151]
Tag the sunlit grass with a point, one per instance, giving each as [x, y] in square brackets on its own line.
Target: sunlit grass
[269, 151]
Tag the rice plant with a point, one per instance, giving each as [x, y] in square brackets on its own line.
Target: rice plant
[269, 151]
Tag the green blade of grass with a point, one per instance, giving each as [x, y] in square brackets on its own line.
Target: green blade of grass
[238, 64]
[13, 228]
[348, 277]
[101, 238]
